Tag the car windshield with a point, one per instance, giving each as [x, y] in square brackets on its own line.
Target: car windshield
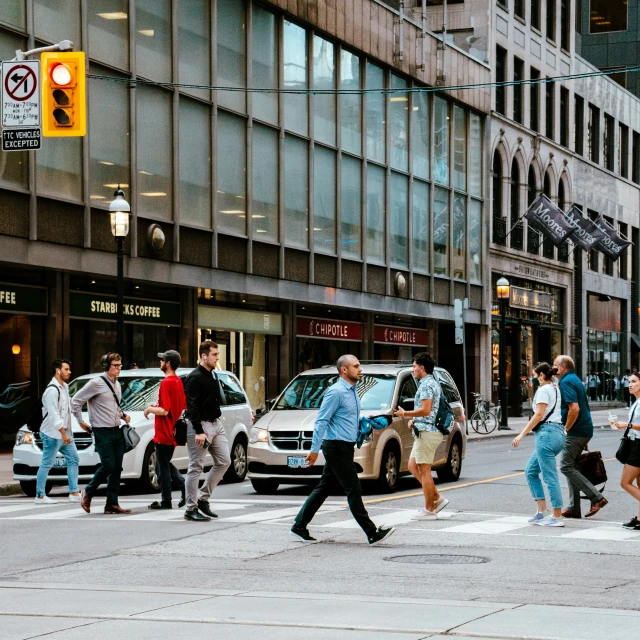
[306, 392]
[137, 393]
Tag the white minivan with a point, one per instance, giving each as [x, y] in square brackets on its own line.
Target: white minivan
[139, 389]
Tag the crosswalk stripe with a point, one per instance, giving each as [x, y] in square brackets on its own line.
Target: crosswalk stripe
[24, 507]
[275, 514]
[499, 525]
[53, 515]
[603, 533]
[387, 519]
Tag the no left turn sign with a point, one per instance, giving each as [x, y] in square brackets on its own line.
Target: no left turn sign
[20, 95]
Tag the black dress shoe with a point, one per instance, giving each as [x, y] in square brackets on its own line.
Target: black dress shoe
[204, 507]
[302, 533]
[196, 516]
[159, 505]
[182, 502]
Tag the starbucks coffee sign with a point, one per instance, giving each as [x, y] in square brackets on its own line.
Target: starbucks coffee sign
[89, 306]
[23, 299]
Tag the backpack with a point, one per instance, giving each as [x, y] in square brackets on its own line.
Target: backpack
[35, 418]
[444, 417]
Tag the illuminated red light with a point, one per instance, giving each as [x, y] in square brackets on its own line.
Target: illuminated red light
[60, 74]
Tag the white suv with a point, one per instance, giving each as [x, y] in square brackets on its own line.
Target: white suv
[282, 437]
[139, 389]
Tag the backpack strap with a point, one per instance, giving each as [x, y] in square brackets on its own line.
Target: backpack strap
[57, 388]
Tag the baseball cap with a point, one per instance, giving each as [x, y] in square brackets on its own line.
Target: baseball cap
[172, 357]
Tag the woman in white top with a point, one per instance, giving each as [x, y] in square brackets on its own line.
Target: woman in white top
[631, 470]
[550, 437]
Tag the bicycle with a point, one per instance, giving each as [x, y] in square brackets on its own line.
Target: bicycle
[482, 421]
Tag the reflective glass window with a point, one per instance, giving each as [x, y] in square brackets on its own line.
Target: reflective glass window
[458, 253]
[109, 31]
[194, 52]
[59, 168]
[459, 149]
[324, 106]
[375, 214]
[441, 232]
[264, 65]
[153, 144]
[475, 155]
[195, 162]
[324, 199]
[109, 162]
[296, 192]
[420, 124]
[375, 114]
[351, 207]
[55, 20]
[441, 141]
[420, 254]
[264, 206]
[231, 52]
[231, 173]
[475, 240]
[295, 77]
[14, 12]
[153, 39]
[399, 114]
[399, 221]
[350, 104]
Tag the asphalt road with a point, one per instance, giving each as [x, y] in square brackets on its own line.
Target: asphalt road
[589, 563]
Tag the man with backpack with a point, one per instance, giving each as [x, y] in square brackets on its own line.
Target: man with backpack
[171, 403]
[103, 396]
[427, 436]
[56, 433]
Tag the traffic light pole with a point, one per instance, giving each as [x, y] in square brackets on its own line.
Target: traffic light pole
[120, 298]
[63, 45]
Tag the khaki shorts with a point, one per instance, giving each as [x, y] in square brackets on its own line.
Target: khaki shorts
[425, 446]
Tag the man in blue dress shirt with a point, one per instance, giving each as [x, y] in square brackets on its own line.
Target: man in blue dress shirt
[336, 430]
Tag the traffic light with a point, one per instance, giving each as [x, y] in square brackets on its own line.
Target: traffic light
[64, 94]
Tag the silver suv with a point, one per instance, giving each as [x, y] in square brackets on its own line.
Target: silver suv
[283, 436]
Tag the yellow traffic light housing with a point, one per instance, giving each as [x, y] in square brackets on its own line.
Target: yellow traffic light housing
[64, 94]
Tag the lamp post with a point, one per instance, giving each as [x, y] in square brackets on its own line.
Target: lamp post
[503, 291]
[119, 210]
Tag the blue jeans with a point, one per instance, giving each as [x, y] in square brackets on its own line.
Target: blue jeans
[50, 447]
[549, 443]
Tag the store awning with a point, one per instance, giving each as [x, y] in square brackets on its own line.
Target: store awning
[226, 319]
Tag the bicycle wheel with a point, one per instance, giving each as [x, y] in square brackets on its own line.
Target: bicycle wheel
[483, 423]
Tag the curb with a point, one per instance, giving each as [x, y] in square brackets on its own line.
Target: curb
[10, 489]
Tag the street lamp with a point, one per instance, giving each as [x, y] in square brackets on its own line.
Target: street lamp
[119, 210]
[503, 291]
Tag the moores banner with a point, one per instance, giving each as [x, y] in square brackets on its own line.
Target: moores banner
[546, 217]
[585, 233]
[612, 244]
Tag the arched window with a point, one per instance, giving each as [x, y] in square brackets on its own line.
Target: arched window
[516, 235]
[533, 237]
[561, 196]
[547, 245]
[547, 185]
[499, 230]
[563, 249]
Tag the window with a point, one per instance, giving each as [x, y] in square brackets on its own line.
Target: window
[564, 117]
[593, 134]
[518, 8]
[351, 207]
[593, 256]
[459, 254]
[295, 77]
[194, 46]
[609, 142]
[55, 20]
[517, 239]
[501, 71]
[264, 203]
[59, 168]
[232, 390]
[635, 158]
[264, 64]
[441, 140]
[475, 155]
[350, 104]
[547, 245]
[153, 39]
[15, 14]
[565, 24]
[399, 116]
[623, 151]
[533, 237]
[296, 192]
[475, 240]
[407, 390]
[420, 226]
[420, 125]
[579, 125]
[549, 102]
[324, 199]
[232, 174]
[108, 37]
[375, 114]
[535, 14]
[324, 106]
[551, 20]
[534, 101]
[518, 76]
[499, 225]
[399, 221]
[608, 263]
[375, 214]
[459, 148]
[608, 15]
[623, 261]
[441, 232]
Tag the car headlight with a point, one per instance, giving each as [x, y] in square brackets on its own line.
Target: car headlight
[258, 435]
[24, 437]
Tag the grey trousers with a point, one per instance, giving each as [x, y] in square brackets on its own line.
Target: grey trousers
[219, 450]
[573, 448]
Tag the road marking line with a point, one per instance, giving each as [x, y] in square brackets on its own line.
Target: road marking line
[53, 515]
[603, 533]
[386, 519]
[25, 507]
[275, 514]
[501, 525]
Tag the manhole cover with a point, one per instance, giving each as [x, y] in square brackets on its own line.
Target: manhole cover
[438, 558]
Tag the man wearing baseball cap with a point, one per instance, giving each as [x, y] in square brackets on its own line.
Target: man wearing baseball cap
[171, 403]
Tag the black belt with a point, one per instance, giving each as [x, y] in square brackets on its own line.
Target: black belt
[116, 427]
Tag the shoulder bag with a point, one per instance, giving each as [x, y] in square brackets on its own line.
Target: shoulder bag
[626, 443]
[131, 438]
[180, 429]
[548, 414]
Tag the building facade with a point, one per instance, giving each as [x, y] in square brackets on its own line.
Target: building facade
[289, 227]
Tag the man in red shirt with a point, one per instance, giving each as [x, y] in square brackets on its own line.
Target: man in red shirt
[171, 403]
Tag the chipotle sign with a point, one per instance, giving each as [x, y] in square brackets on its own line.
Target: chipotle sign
[329, 329]
[400, 335]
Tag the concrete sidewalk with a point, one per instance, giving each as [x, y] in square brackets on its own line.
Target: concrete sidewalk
[68, 612]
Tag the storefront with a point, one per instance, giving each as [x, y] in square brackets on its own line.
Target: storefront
[321, 341]
[400, 344]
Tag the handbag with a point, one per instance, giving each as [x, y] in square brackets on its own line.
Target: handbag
[131, 438]
[591, 465]
[624, 448]
[180, 430]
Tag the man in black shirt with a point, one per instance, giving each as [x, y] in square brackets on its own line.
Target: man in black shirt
[205, 433]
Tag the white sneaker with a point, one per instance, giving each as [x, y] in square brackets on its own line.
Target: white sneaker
[425, 515]
[441, 504]
[45, 500]
[73, 498]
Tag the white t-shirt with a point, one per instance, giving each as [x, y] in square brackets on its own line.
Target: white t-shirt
[548, 394]
[634, 414]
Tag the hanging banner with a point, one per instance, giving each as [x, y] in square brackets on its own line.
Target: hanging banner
[585, 233]
[612, 244]
[545, 217]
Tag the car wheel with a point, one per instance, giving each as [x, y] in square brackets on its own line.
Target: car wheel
[451, 471]
[389, 469]
[237, 472]
[29, 487]
[265, 486]
[149, 482]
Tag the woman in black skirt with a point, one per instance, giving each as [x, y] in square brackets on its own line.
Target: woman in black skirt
[631, 470]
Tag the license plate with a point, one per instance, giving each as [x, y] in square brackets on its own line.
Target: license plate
[59, 462]
[296, 462]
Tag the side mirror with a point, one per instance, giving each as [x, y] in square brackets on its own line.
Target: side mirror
[259, 413]
[408, 404]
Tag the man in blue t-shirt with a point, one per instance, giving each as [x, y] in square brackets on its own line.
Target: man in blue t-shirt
[576, 418]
